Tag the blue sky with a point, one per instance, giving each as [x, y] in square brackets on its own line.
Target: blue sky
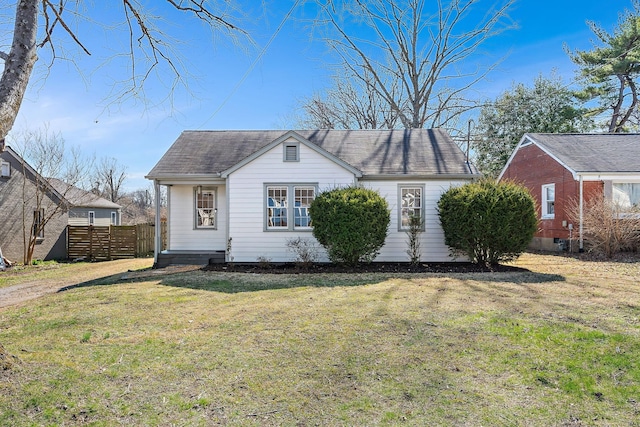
[294, 66]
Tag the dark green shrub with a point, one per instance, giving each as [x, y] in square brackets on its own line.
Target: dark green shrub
[488, 221]
[351, 223]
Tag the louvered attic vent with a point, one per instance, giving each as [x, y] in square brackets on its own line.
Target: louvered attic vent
[291, 153]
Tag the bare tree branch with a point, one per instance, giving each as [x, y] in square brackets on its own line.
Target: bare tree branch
[420, 53]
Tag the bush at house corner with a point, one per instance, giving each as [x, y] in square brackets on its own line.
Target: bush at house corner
[488, 221]
[350, 223]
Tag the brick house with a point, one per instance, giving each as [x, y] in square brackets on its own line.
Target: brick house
[18, 201]
[564, 169]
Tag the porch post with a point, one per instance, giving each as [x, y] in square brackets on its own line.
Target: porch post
[158, 228]
[581, 213]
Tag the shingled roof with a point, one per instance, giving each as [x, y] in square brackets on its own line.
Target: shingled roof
[372, 152]
[80, 198]
[596, 153]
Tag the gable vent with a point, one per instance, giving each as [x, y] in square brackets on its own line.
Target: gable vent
[291, 153]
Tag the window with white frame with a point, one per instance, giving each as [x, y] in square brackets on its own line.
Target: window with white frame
[92, 218]
[5, 169]
[205, 207]
[277, 207]
[114, 218]
[411, 204]
[627, 194]
[548, 201]
[303, 196]
[38, 224]
[287, 206]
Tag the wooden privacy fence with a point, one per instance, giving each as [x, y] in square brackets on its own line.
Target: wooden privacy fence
[102, 243]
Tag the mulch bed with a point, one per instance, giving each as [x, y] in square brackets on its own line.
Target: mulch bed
[374, 267]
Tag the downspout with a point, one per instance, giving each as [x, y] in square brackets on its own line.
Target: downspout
[228, 248]
[158, 228]
[581, 213]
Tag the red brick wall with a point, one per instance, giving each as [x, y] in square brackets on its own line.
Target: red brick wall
[533, 168]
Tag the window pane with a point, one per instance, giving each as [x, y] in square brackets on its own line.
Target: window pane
[205, 208]
[411, 204]
[626, 195]
[548, 200]
[38, 226]
[277, 206]
[303, 198]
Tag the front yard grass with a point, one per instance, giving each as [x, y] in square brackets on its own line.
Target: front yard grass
[559, 345]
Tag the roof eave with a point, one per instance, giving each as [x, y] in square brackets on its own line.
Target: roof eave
[184, 177]
[431, 176]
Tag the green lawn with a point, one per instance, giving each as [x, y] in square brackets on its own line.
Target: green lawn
[559, 345]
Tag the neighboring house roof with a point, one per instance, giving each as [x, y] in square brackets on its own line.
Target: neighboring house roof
[604, 153]
[372, 152]
[80, 198]
[75, 196]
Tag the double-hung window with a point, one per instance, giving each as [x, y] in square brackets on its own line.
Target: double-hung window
[205, 208]
[411, 204]
[287, 206]
[548, 201]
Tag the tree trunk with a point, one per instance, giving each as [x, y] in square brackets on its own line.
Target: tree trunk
[18, 63]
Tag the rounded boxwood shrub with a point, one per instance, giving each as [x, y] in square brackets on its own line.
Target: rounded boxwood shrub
[350, 223]
[488, 221]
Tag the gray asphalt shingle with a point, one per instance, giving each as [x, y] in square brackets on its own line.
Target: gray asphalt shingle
[373, 152]
[606, 152]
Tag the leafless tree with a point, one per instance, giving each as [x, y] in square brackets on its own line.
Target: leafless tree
[108, 178]
[53, 24]
[51, 176]
[349, 104]
[138, 206]
[418, 55]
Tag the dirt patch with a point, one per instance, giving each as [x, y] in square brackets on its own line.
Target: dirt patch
[374, 267]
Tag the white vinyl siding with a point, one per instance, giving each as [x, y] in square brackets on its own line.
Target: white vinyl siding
[183, 236]
[432, 244]
[247, 203]
[548, 201]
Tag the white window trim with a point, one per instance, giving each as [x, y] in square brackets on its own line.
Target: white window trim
[5, 169]
[114, 218]
[92, 218]
[285, 146]
[213, 190]
[422, 208]
[291, 187]
[545, 202]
